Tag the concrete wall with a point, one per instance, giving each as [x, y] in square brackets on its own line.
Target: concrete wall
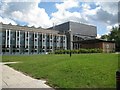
[17, 41]
[83, 29]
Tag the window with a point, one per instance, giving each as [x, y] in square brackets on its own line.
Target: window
[3, 46]
[18, 33]
[51, 36]
[35, 35]
[43, 47]
[8, 33]
[43, 35]
[64, 37]
[27, 34]
[27, 46]
[13, 50]
[35, 46]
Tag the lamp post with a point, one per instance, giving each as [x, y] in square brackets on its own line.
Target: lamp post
[70, 42]
[118, 80]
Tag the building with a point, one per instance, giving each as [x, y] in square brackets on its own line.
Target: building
[76, 32]
[17, 39]
[105, 46]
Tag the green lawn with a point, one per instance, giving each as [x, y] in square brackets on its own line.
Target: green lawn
[81, 70]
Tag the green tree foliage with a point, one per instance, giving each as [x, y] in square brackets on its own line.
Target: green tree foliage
[114, 35]
[105, 37]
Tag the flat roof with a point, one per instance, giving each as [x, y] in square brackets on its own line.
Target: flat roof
[93, 41]
[31, 29]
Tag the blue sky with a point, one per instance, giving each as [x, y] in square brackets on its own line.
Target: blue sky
[37, 13]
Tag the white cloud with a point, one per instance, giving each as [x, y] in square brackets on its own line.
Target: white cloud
[63, 14]
[7, 21]
[28, 12]
[59, 17]
[98, 36]
[110, 27]
[85, 7]
[67, 5]
[110, 7]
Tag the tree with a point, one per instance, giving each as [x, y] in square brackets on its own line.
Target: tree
[106, 37]
[114, 35]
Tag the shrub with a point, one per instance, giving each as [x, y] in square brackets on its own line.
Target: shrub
[82, 50]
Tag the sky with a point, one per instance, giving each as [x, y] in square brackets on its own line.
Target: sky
[44, 13]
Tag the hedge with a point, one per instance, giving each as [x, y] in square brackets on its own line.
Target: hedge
[96, 50]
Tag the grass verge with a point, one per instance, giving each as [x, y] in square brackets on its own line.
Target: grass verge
[78, 71]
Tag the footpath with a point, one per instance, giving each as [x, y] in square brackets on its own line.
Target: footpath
[14, 79]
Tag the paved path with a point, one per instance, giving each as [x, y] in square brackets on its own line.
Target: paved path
[14, 79]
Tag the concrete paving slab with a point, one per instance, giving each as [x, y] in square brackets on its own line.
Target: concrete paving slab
[14, 79]
[0, 76]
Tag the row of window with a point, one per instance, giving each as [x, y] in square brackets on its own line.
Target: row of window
[31, 50]
[28, 34]
[27, 46]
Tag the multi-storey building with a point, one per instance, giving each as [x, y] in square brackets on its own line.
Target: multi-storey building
[76, 32]
[17, 39]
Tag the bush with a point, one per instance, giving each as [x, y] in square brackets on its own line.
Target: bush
[82, 50]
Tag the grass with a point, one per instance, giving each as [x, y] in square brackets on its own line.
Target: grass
[79, 71]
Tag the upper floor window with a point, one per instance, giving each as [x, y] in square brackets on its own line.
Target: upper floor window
[27, 34]
[43, 35]
[35, 35]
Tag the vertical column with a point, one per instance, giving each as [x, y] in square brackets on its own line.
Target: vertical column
[45, 42]
[34, 39]
[16, 38]
[19, 43]
[71, 42]
[6, 43]
[9, 41]
[25, 39]
[57, 42]
[41, 42]
[9, 37]
[37, 43]
[19, 39]
[28, 43]
[65, 44]
[53, 38]
[52, 43]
